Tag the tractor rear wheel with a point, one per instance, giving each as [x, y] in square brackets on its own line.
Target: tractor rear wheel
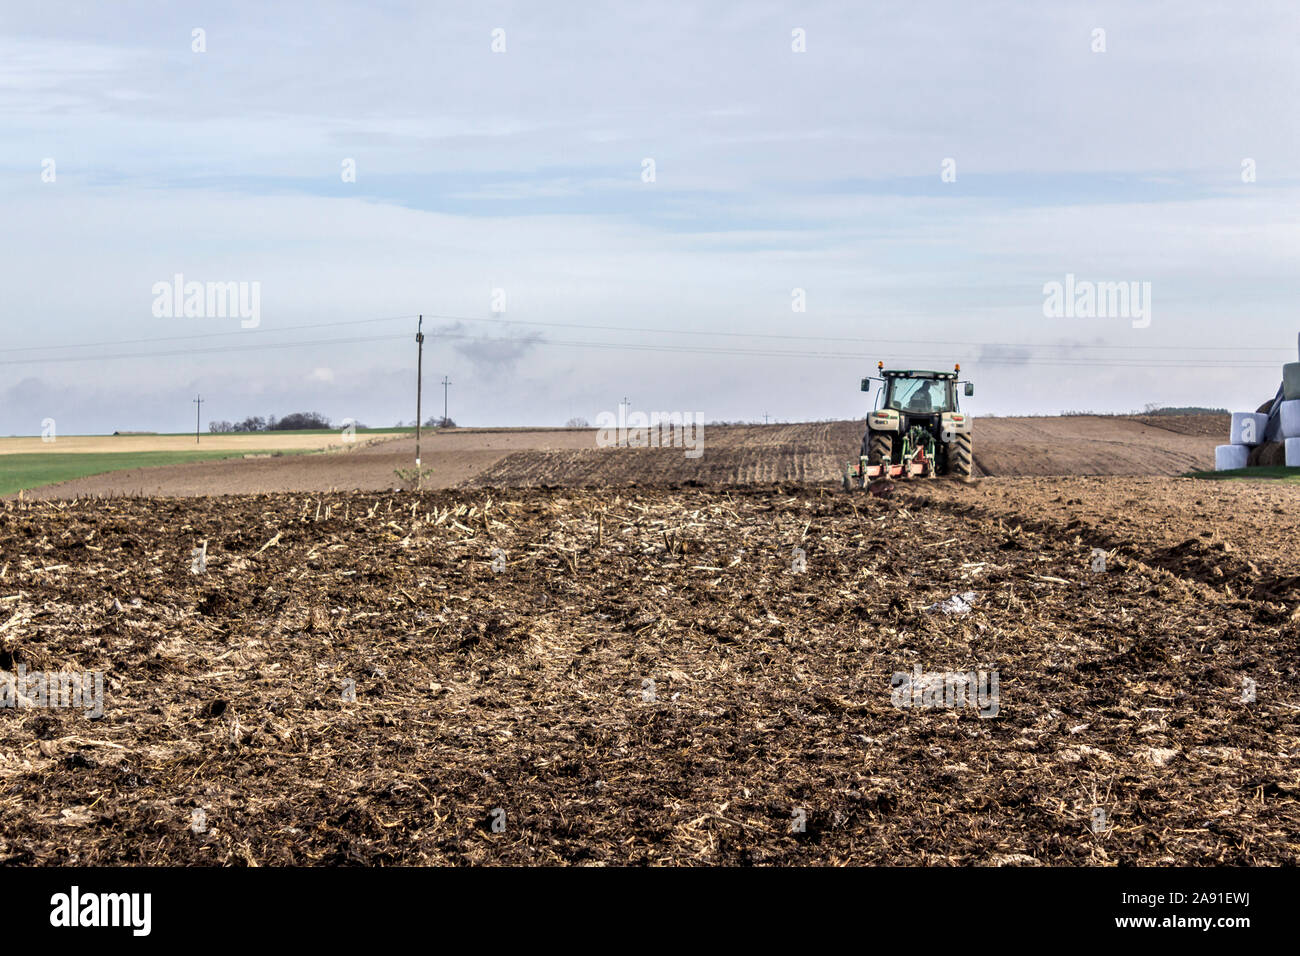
[961, 459]
[879, 448]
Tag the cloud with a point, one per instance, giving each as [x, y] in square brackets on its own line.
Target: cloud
[1004, 355]
[489, 353]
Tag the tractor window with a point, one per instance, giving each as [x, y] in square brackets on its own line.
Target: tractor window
[920, 396]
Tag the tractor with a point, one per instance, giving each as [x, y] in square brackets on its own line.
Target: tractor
[917, 428]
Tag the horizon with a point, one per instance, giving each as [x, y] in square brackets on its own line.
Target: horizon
[591, 426]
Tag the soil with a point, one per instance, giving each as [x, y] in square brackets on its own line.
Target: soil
[817, 452]
[449, 456]
[655, 676]
[1212, 426]
[732, 454]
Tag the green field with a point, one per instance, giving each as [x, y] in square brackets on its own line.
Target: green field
[28, 462]
[31, 470]
[396, 430]
[1264, 472]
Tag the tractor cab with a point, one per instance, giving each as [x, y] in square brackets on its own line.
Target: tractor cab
[919, 393]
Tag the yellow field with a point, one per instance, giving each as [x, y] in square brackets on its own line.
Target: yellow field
[250, 442]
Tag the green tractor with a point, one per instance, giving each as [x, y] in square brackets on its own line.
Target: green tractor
[917, 428]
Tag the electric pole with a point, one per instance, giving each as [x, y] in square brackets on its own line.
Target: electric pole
[198, 407]
[419, 385]
[445, 383]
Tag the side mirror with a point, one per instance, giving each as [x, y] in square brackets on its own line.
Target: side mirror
[866, 384]
[969, 390]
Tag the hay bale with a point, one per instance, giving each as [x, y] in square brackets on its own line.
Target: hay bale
[1268, 454]
[1229, 457]
[1247, 428]
[1291, 381]
[1292, 457]
[1289, 413]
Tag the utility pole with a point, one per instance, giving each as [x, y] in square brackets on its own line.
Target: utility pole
[198, 407]
[419, 385]
[445, 383]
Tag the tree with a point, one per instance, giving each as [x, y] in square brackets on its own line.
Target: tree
[577, 423]
[300, 421]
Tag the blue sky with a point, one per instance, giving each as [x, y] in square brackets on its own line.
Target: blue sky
[522, 171]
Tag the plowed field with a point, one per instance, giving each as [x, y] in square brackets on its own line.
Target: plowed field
[731, 455]
[638, 675]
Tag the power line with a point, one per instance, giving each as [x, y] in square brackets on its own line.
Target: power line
[203, 335]
[655, 331]
[856, 356]
[204, 351]
[872, 341]
[990, 361]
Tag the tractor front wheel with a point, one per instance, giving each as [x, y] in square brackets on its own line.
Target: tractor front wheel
[961, 459]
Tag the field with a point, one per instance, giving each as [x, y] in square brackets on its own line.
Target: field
[652, 673]
[1276, 472]
[34, 470]
[30, 462]
[242, 442]
[732, 455]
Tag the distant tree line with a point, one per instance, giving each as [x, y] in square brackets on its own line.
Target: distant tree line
[1154, 409]
[435, 421]
[297, 421]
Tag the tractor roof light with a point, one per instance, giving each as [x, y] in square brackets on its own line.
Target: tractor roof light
[957, 367]
[880, 366]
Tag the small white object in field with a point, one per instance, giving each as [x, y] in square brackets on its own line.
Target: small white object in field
[958, 604]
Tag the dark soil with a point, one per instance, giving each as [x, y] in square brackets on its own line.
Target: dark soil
[648, 678]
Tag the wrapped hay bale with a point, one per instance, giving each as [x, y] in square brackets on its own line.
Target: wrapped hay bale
[1290, 415]
[1229, 457]
[1292, 457]
[1248, 428]
[1291, 381]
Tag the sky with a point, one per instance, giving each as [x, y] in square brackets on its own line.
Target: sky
[731, 209]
